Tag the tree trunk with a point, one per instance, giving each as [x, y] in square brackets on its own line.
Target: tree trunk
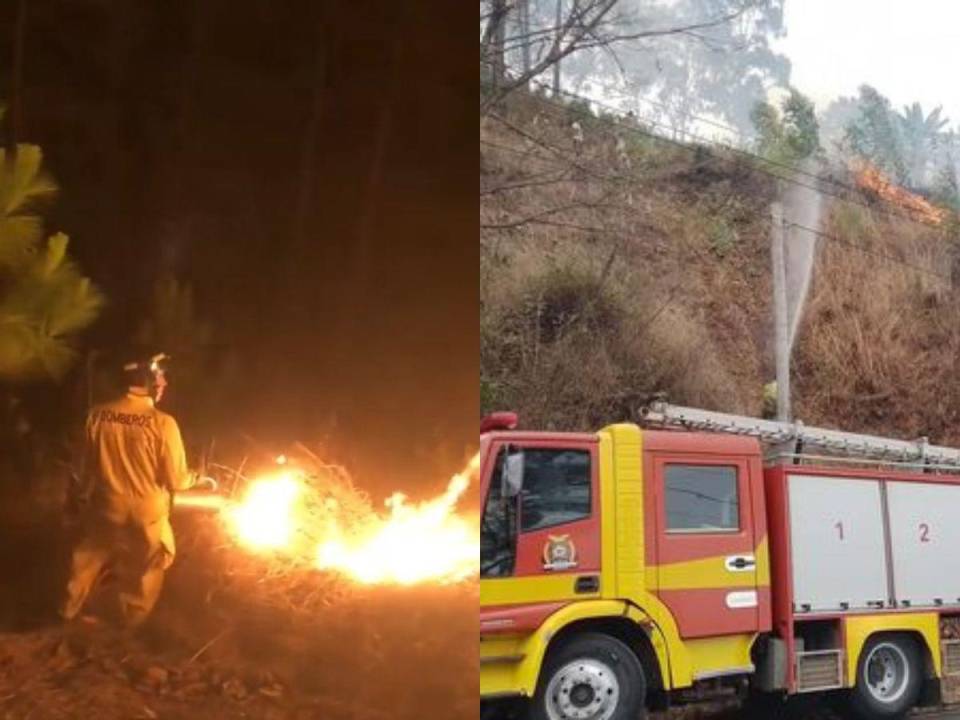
[523, 15]
[374, 190]
[176, 204]
[14, 120]
[499, 16]
[308, 146]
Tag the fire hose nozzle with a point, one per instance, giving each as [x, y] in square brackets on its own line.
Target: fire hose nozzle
[200, 499]
[205, 482]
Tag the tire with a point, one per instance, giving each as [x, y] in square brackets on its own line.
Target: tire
[592, 677]
[889, 678]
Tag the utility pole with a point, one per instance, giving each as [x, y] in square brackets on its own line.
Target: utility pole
[780, 324]
[556, 65]
[499, 16]
[523, 15]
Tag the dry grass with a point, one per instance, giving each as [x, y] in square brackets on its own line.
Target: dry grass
[318, 632]
[669, 292]
[878, 348]
[571, 348]
[637, 276]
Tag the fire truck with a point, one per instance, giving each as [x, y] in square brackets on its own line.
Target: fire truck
[698, 551]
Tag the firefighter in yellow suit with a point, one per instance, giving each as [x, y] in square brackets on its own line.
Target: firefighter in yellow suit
[134, 461]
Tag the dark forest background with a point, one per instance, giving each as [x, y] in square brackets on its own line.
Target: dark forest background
[272, 192]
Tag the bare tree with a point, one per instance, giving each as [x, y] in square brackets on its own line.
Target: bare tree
[493, 44]
[577, 25]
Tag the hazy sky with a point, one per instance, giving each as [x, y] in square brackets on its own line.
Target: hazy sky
[907, 49]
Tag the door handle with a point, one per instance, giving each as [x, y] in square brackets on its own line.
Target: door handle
[740, 563]
[587, 584]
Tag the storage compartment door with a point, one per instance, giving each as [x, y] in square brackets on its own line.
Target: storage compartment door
[837, 543]
[925, 534]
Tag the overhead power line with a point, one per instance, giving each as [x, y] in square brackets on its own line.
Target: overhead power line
[614, 113]
[887, 257]
[613, 120]
[870, 251]
[790, 178]
[706, 141]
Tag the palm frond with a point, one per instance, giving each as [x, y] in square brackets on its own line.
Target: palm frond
[19, 237]
[45, 299]
[27, 353]
[23, 183]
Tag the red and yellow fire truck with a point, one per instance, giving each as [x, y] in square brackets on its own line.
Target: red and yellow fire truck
[623, 568]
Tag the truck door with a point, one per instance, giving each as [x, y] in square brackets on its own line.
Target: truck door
[541, 548]
[706, 547]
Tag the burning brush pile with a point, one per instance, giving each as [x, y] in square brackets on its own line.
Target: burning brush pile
[295, 569]
[307, 536]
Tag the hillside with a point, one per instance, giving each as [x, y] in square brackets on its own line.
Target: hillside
[616, 265]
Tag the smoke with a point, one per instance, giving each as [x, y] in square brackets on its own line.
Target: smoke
[802, 209]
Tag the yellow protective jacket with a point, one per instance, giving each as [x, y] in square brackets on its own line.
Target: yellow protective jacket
[134, 461]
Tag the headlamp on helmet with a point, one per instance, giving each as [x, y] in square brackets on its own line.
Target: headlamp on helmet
[148, 373]
[155, 364]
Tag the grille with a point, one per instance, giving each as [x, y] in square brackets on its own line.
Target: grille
[950, 689]
[819, 670]
[951, 656]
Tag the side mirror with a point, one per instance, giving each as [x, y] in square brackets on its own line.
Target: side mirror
[512, 475]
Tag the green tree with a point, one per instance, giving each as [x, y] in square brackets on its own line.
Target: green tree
[45, 301]
[834, 121]
[946, 188]
[790, 134]
[692, 55]
[717, 72]
[874, 134]
[921, 136]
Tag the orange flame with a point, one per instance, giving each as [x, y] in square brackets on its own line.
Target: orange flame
[411, 543]
[870, 178]
[265, 518]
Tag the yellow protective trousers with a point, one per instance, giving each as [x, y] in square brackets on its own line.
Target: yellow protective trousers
[133, 539]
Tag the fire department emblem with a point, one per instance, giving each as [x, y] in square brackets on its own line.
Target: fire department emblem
[559, 553]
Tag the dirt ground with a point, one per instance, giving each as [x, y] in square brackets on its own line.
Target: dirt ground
[219, 646]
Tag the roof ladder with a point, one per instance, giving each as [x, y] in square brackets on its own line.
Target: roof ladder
[918, 453]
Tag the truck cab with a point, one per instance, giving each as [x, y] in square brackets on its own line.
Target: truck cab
[655, 541]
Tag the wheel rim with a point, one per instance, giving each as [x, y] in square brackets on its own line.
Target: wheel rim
[886, 673]
[585, 689]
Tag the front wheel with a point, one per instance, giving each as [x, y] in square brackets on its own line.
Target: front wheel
[889, 678]
[592, 677]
